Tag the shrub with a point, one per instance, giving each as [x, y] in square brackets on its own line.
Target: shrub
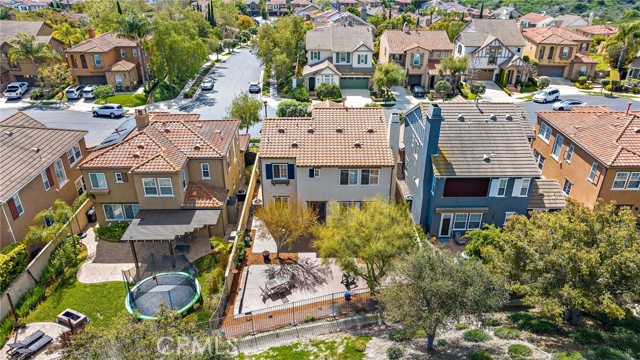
[112, 232]
[479, 355]
[62, 257]
[241, 252]
[588, 336]
[103, 92]
[216, 280]
[398, 335]
[441, 343]
[326, 91]
[5, 329]
[300, 94]
[30, 300]
[462, 326]
[530, 322]
[543, 82]
[491, 322]
[292, 108]
[582, 80]
[605, 353]
[475, 335]
[506, 333]
[519, 351]
[13, 260]
[372, 105]
[309, 318]
[394, 352]
[573, 355]
[360, 345]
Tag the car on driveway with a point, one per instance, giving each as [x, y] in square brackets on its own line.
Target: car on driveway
[546, 95]
[254, 87]
[87, 92]
[418, 91]
[74, 92]
[206, 84]
[16, 90]
[111, 110]
[567, 104]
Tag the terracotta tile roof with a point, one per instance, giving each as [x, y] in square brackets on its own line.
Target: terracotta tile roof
[200, 195]
[122, 65]
[102, 43]
[553, 35]
[399, 40]
[243, 141]
[534, 18]
[612, 137]
[599, 30]
[19, 134]
[331, 137]
[324, 104]
[166, 144]
[584, 59]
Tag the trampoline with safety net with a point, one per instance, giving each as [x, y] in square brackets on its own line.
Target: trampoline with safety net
[179, 291]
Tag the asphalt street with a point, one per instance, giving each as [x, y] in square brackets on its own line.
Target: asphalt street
[231, 77]
[613, 103]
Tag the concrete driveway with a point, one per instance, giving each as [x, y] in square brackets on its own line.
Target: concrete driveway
[495, 94]
[356, 97]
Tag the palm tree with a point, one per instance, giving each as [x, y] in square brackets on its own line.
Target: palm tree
[67, 34]
[135, 27]
[456, 68]
[59, 214]
[628, 36]
[26, 48]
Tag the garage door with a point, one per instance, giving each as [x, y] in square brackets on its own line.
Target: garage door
[554, 71]
[354, 83]
[415, 79]
[30, 80]
[485, 74]
[92, 80]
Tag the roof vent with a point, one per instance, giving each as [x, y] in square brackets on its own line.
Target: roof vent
[141, 146]
[370, 130]
[281, 131]
[310, 130]
[8, 132]
[167, 130]
[35, 149]
[339, 130]
[637, 130]
[486, 158]
[493, 117]
[294, 145]
[199, 125]
[357, 145]
[508, 117]
[460, 118]
[196, 147]
[136, 155]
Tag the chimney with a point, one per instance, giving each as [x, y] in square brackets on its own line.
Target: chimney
[628, 108]
[91, 32]
[363, 12]
[344, 101]
[393, 134]
[142, 118]
[591, 18]
[434, 122]
[405, 28]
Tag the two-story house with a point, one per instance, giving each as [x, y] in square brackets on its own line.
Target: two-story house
[105, 59]
[27, 5]
[297, 5]
[593, 152]
[560, 52]
[418, 52]
[532, 20]
[494, 47]
[339, 54]
[336, 155]
[465, 164]
[39, 165]
[253, 7]
[277, 7]
[24, 70]
[505, 13]
[333, 17]
[572, 22]
[172, 166]
[597, 30]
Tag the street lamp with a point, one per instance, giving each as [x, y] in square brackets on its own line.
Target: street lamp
[265, 108]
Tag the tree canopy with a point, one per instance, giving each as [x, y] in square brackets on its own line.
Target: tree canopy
[287, 222]
[456, 67]
[292, 108]
[388, 75]
[245, 108]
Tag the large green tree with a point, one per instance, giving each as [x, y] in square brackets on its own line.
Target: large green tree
[450, 25]
[628, 36]
[456, 68]
[431, 289]
[27, 48]
[245, 108]
[66, 33]
[388, 75]
[292, 108]
[287, 222]
[377, 233]
[136, 28]
[574, 260]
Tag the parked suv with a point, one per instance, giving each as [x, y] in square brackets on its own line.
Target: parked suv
[111, 110]
[254, 88]
[74, 92]
[16, 90]
[87, 92]
[546, 95]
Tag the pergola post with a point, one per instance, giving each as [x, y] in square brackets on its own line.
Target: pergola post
[135, 256]
[173, 258]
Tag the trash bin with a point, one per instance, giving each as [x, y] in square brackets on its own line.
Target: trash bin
[247, 240]
[241, 194]
[265, 256]
[347, 295]
[91, 215]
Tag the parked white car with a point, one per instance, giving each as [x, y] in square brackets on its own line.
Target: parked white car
[16, 90]
[87, 92]
[254, 87]
[567, 104]
[74, 92]
[546, 95]
[111, 110]
[206, 84]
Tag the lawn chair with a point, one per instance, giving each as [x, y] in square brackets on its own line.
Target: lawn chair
[24, 343]
[25, 353]
[265, 293]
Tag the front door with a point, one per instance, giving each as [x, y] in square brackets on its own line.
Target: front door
[445, 225]
[312, 83]
[320, 208]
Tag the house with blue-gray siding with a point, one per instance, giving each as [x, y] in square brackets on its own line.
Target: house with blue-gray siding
[465, 165]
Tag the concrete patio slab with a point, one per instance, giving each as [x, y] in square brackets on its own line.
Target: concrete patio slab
[51, 329]
[495, 94]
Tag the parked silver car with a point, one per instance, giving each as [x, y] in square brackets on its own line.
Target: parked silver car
[74, 92]
[206, 84]
[15, 90]
[87, 92]
[111, 110]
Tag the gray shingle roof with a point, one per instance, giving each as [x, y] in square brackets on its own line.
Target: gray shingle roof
[11, 27]
[506, 31]
[339, 38]
[546, 194]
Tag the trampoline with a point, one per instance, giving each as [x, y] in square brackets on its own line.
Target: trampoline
[179, 291]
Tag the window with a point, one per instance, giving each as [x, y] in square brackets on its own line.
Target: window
[557, 146]
[113, 212]
[593, 172]
[134, 52]
[459, 49]
[541, 52]
[83, 60]
[565, 52]
[507, 215]
[521, 188]
[460, 222]
[45, 180]
[493, 57]
[545, 132]
[326, 79]
[349, 177]
[60, 174]
[316, 172]
[204, 169]
[569, 154]
[119, 177]
[18, 205]
[165, 187]
[130, 211]
[566, 188]
[183, 179]
[228, 160]
[584, 46]
[498, 187]
[98, 180]
[150, 188]
[284, 199]
[475, 221]
[314, 55]
[80, 186]
[363, 59]
[550, 56]
[280, 172]
[620, 181]
[97, 60]
[74, 63]
[119, 79]
[123, 53]
[634, 181]
[342, 57]
[74, 154]
[369, 177]
[539, 159]
[415, 60]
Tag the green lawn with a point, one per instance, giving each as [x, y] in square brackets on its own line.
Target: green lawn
[603, 65]
[128, 100]
[342, 348]
[606, 93]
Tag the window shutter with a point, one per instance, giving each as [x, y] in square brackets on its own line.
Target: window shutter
[570, 52]
[291, 168]
[348, 58]
[49, 176]
[125, 177]
[421, 59]
[597, 177]
[495, 183]
[311, 172]
[516, 188]
[13, 209]
[269, 171]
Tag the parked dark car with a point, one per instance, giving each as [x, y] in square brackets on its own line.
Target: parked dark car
[418, 91]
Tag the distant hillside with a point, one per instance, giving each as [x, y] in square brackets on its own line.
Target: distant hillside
[604, 10]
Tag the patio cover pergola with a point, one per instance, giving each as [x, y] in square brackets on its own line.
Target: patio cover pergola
[166, 225]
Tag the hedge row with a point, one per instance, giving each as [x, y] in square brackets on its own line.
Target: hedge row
[13, 260]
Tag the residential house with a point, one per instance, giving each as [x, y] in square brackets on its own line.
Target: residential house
[560, 52]
[297, 5]
[633, 70]
[296, 165]
[341, 5]
[465, 165]
[307, 11]
[332, 17]
[494, 48]
[277, 7]
[253, 7]
[177, 163]
[593, 152]
[105, 59]
[597, 30]
[24, 70]
[571, 22]
[26, 5]
[39, 166]
[505, 13]
[339, 54]
[532, 20]
[372, 3]
[402, 4]
[418, 52]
